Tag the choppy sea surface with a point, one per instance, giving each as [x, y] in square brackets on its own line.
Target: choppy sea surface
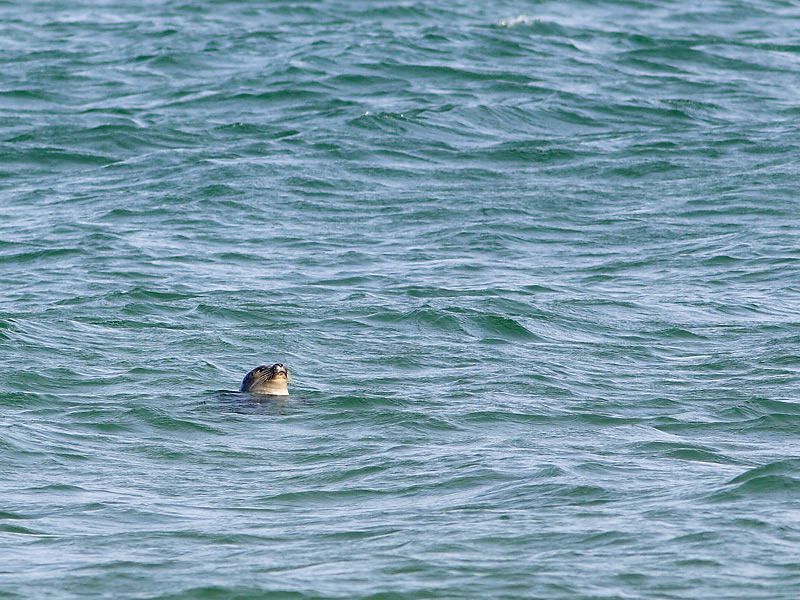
[534, 267]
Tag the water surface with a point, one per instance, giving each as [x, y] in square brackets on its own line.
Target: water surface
[534, 268]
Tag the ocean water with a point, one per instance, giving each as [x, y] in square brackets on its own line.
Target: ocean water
[534, 267]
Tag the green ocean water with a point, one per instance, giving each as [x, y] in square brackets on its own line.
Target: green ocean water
[534, 267]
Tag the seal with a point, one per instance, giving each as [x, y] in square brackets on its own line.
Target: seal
[267, 380]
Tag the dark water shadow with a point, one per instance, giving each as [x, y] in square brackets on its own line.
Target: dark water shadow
[257, 404]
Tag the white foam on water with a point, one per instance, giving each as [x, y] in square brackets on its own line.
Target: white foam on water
[514, 21]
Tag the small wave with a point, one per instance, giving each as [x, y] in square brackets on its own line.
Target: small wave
[777, 479]
[514, 21]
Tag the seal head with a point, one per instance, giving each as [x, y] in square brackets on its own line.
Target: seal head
[267, 380]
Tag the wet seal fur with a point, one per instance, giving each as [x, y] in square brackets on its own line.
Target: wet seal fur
[271, 381]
